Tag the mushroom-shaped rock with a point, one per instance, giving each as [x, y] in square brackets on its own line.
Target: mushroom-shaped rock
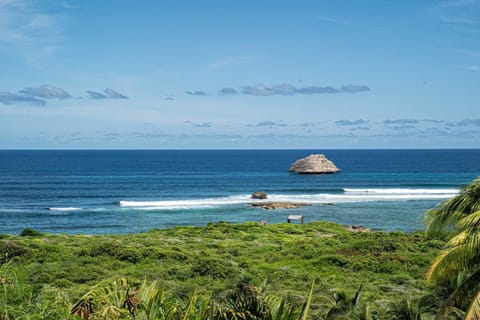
[259, 195]
[314, 163]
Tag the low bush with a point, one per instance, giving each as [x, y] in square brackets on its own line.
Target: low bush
[115, 250]
[216, 268]
[28, 232]
[10, 249]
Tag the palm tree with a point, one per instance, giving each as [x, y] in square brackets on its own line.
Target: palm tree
[461, 258]
[434, 300]
[251, 303]
[344, 306]
[406, 309]
[446, 216]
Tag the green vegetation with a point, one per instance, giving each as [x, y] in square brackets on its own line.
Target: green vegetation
[456, 271]
[251, 271]
[220, 271]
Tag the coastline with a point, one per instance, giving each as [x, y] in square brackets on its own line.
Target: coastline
[83, 191]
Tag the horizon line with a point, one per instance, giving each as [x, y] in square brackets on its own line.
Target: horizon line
[231, 149]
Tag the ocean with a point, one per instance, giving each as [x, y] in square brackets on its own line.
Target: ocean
[113, 192]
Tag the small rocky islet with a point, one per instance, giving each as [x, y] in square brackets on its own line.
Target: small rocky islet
[269, 205]
[259, 195]
[314, 164]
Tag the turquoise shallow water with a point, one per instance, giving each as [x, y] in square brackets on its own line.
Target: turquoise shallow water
[131, 191]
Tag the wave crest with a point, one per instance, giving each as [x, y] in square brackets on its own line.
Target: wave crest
[349, 195]
[65, 209]
[404, 191]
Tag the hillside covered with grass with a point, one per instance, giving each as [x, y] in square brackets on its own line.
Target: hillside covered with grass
[214, 259]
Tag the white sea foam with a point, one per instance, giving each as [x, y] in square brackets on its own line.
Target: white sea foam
[187, 204]
[346, 197]
[65, 209]
[12, 210]
[403, 191]
[349, 195]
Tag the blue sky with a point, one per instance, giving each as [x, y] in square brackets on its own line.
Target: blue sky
[239, 74]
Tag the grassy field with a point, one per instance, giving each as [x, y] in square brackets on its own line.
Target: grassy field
[212, 259]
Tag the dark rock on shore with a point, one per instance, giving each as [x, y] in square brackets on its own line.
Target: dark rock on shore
[356, 228]
[278, 205]
[314, 163]
[259, 195]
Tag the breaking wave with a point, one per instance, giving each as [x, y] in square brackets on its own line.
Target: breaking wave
[403, 191]
[348, 195]
[65, 209]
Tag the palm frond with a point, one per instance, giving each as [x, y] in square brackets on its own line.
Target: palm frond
[364, 312]
[309, 301]
[469, 287]
[356, 298]
[473, 312]
[458, 240]
[449, 263]
[437, 220]
[462, 254]
[448, 213]
[406, 309]
[470, 223]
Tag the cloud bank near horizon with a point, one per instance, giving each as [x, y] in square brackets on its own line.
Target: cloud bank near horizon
[285, 89]
[9, 98]
[35, 96]
[46, 92]
[107, 94]
[38, 96]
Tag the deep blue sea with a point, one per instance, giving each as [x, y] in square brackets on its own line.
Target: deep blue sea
[129, 191]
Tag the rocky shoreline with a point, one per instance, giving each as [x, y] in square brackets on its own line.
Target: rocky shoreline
[271, 205]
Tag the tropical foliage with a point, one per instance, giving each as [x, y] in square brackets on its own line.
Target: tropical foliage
[213, 272]
[458, 266]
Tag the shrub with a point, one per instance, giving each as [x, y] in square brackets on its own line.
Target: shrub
[216, 268]
[28, 232]
[10, 249]
[63, 283]
[115, 250]
[249, 237]
[389, 267]
[129, 254]
[332, 260]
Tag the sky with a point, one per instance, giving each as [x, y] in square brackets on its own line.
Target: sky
[239, 74]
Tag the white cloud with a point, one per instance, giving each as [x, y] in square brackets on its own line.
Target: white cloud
[473, 68]
[459, 3]
[225, 62]
[28, 30]
[457, 20]
[288, 89]
[333, 20]
[46, 92]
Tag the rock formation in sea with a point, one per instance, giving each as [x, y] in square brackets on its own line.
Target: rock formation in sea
[278, 205]
[314, 163]
[259, 195]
